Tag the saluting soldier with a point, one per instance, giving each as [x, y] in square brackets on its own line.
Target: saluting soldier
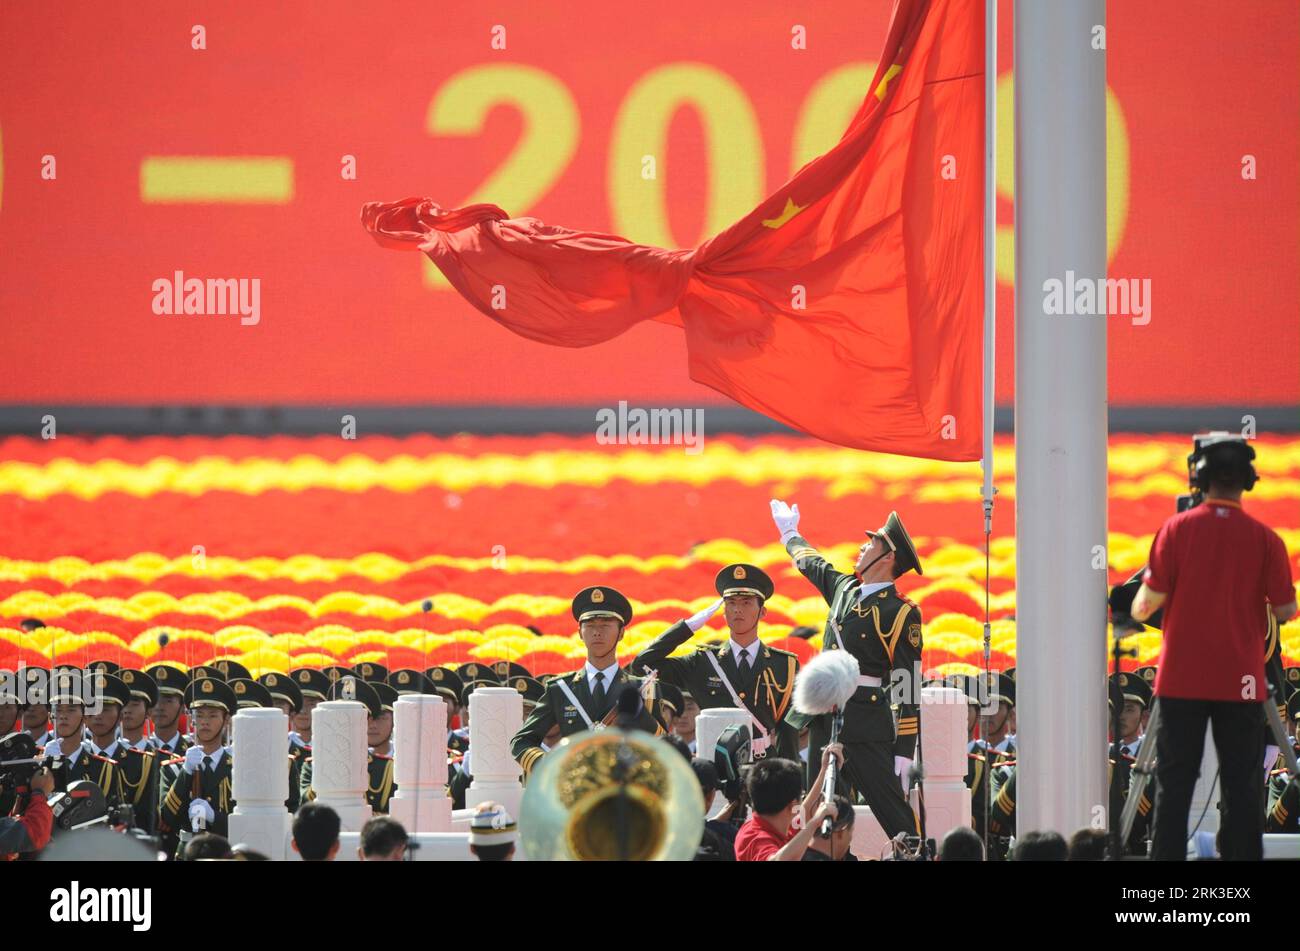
[588, 697]
[742, 672]
[75, 758]
[137, 758]
[882, 630]
[167, 737]
[200, 797]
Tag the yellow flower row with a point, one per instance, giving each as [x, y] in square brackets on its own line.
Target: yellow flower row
[846, 471]
[260, 652]
[947, 560]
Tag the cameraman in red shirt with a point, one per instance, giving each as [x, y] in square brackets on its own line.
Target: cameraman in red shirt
[1215, 571]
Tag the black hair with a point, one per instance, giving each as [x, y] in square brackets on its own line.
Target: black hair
[1040, 847]
[381, 835]
[315, 831]
[492, 853]
[1087, 845]
[773, 784]
[207, 845]
[844, 814]
[707, 774]
[961, 845]
[680, 745]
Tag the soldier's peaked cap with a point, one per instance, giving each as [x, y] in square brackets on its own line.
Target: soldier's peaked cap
[743, 579]
[895, 535]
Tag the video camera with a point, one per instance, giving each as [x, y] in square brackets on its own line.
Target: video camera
[732, 757]
[1213, 454]
[18, 762]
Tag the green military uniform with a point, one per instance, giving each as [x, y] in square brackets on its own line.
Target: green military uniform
[1283, 813]
[141, 767]
[170, 681]
[555, 707]
[882, 630]
[1134, 687]
[72, 686]
[211, 781]
[765, 691]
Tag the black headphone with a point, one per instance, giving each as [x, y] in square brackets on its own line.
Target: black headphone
[1219, 456]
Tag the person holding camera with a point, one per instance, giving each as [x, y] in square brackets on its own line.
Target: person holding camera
[30, 831]
[775, 788]
[1215, 571]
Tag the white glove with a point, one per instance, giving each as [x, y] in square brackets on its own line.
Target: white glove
[759, 744]
[902, 769]
[1270, 757]
[193, 759]
[786, 518]
[52, 749]
[201, 815]
[697, 621]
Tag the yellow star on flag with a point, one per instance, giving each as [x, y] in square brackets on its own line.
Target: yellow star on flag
[788, 212]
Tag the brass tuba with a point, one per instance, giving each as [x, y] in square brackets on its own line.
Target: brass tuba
[611, 795]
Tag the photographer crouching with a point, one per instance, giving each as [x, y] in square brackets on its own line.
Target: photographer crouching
[1215, 571]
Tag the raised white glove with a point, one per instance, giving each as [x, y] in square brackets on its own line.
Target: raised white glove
[902, 769]
[201, 815]
[193, 759]
[697, 621]
[52, 749]
[786, 518]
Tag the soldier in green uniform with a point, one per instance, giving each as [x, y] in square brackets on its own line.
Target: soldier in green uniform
[740, 672]
[200, 796]
[588, 697]
[1132, 693]
[287, 698]
[75, 758]
[167, 738]
[1283, 813]
[313, 685]
[137, 758]
[882, 630]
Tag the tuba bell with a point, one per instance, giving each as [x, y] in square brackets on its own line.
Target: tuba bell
[611, 795]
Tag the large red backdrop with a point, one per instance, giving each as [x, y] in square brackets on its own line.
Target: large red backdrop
[557, 124]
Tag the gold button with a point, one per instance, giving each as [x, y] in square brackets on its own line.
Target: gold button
[742, 696]
[873, 698]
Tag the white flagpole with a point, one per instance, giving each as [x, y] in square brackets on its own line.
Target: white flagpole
[990, 279]
[1060, 417]
[990, 325]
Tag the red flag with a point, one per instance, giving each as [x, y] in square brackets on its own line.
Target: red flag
[847, 305]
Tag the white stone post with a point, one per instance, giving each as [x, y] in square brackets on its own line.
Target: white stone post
[495, 716]
[338, 767]
[943, 744]
[260, 783]
[709, 725]
[421, 803]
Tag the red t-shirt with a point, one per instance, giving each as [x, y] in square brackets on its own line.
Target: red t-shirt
[757, 841]
[1217, 565]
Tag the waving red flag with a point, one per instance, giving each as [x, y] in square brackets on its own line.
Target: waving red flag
[848, 305]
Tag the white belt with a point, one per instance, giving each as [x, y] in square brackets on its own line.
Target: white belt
[865, 680]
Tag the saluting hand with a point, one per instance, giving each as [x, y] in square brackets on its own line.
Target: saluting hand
[697, 621]
[786, 518]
